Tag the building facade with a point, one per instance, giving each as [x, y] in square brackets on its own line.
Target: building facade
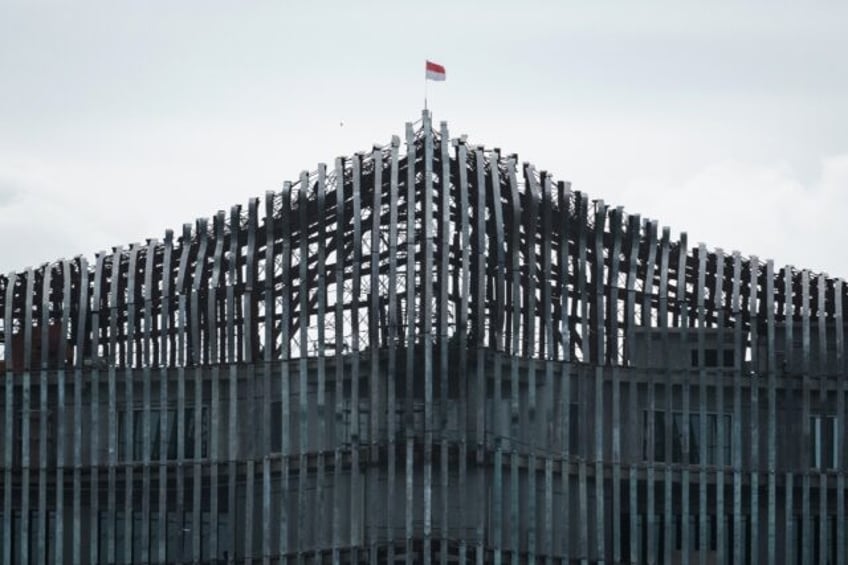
[426, 353]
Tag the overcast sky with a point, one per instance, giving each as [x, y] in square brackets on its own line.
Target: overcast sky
[119, 120]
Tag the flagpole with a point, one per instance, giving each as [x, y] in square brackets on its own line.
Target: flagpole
[425, 91]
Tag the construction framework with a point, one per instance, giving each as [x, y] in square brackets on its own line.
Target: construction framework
[426, 353]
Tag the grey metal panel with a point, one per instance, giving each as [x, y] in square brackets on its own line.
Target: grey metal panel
[269, 301]
[8, 435]
[789, 513]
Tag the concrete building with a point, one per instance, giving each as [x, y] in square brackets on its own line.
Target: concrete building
[428, 352]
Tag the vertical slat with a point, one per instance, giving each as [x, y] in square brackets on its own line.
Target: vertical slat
[129, 398]
[321, 446]
[824, 411]
[840, 419]
[249, 331]
[613, 316]
[427, 331]
[547, 353]
[43, 324]
[738, 530]
[61, 419]
[462, 330]
[10, 409]
[702, 404]
[81, 324]
[684, 305]
[375, 400]
[444, 223]
[113, 360]
[498, 416]
[94, 454]
[600, 407]
[267, 357]
[339, 359]
[515, 332]
[633, 235]
[753, 301]
[184, 348]
[564, 399]
[478, 275]
[164, 405]
[26, 416]
[147, 320]
[647, 299]
[790, 520]
[355, 502]
[806, 538]
[231, 357]
[411, 316]
[285, 356]
[303, 369]
[390, 505]
[216, 333]
[668, 380]
[772, 413]
[199, 295]
[718, 307]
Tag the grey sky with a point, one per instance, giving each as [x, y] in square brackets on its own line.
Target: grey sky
[725, 121]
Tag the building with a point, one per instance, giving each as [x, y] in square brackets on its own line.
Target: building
[428, 352]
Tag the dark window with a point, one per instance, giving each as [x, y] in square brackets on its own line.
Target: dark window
[823, 436]
[711, 358]
[157, 426]
[677, 438]
[728, 358]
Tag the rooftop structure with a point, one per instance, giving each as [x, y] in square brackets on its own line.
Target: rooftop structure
[427, 352]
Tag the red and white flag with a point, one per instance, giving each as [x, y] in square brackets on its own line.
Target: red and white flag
[434, 71]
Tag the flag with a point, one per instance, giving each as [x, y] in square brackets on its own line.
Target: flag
[434, 71]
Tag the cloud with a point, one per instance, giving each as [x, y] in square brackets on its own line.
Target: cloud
[762, 210]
